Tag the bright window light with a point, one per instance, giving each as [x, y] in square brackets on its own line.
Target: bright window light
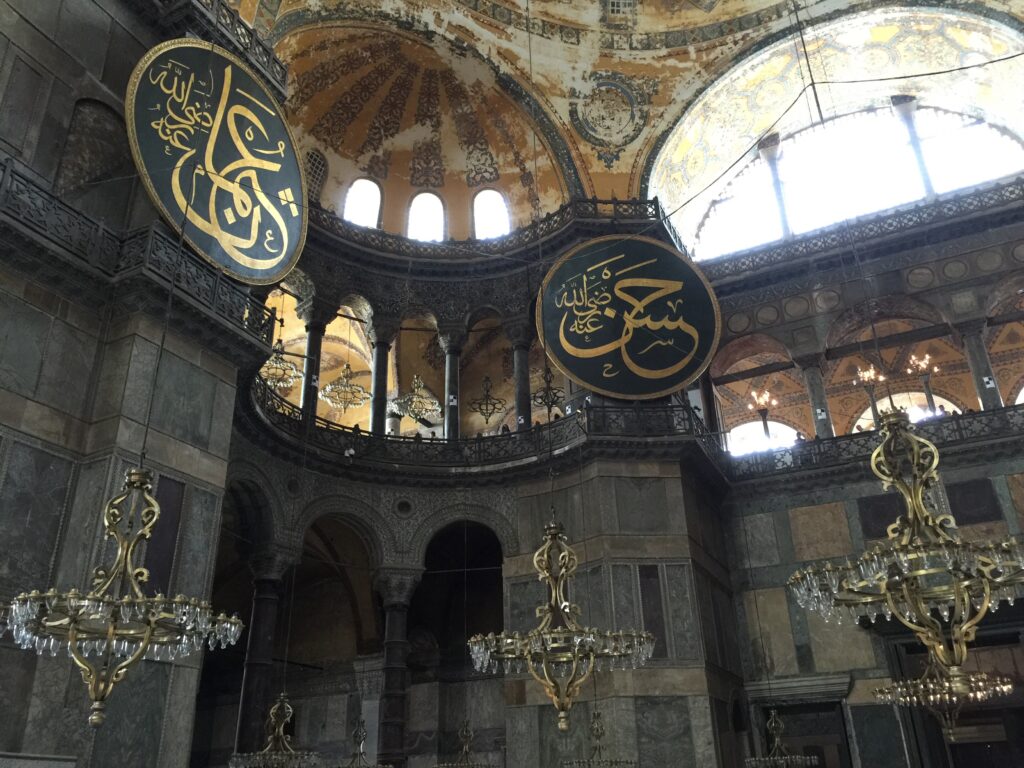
[426, 217]
[914, 403]
[750, 438]
[719, 234]
[362, 203]
[962, 152]
[490, 214]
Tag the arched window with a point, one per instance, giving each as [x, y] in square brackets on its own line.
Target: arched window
[362, 203]
[914, 403]
[316, 173]
[426, 217]
[490, 214]
[750, 437]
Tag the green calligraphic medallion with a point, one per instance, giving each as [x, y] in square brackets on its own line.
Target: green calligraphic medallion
[218, 159]
[628, 317]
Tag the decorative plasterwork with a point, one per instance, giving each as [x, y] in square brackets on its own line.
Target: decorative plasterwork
[612, 112]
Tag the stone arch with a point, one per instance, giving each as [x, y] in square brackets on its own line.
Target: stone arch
[745, 347]
[372, 528]
[259, 507]
[439, 519]
[884, 308]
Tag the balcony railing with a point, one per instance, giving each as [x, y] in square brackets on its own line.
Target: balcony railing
[664, 426]
[95, 250]
[947, 431]
[669, 423]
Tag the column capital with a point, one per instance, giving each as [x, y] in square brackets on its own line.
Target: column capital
[396, 585]
[272, 563]
[451, 338]
[971, 327]
[382, 329]
[812, 360]
[316, 311]
[519, 331]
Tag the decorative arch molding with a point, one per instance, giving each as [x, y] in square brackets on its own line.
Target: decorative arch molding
[885, 308]
[747, 346]
[263, 508]
[373, 529]
[500, 525]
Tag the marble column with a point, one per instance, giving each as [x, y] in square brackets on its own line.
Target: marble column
[451, 341]
[821, 416]
[316, 314]
[396, 587]
[258, 676]
[520, 333]
[973, 335]
[381, 332]
[768, 148]
[709, 403]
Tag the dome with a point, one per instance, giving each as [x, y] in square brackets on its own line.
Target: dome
[415, 117]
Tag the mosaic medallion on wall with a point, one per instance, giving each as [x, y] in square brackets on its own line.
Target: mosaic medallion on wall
[612, 113]
[628, 317]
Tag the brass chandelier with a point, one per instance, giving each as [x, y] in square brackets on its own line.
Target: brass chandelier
[597, 758]
[278, 753]
[277, 371]
[548, 396]
[417, 403]
[359, 748]
[936, 584]
[343, 393]
[465, 741]
[487, 404]
[778, 757]
[112, 625]
[559, 653]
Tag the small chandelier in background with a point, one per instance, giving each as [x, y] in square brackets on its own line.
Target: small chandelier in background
[278, 372]
[359, 749]
[944, 692]
[597, 758]
[559, 653]
[487, 405]
[466, 742]
[343, 393]
[278, 752]
[112, 625]
[418, 403]
[923, 367]
[762, 401]
[935, 583]
[548, 396]
[777, 756]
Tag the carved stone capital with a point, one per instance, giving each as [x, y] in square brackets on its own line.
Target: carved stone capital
[396, 585]
[382, 329]
[519, 331]
[316, 311]
[813, 360]
[451, 338]
[272, 563]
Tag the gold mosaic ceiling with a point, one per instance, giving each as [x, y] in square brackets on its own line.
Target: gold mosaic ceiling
[629, 90]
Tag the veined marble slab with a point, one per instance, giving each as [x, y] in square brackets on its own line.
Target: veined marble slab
[11, 760]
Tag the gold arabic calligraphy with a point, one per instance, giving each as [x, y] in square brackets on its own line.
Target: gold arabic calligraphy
[587, 303]
[247, 222]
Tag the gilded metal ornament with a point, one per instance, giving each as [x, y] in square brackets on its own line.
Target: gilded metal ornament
[466, 742]
[417, 403]
[777, 756]
[597, 758]
[487, 404]
[113, 624]
[278, 752]
[278, 372]
[343, 393]
[559, 653]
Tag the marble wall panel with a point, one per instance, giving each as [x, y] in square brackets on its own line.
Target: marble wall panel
[523, 598]
[642, 505]
[839, 648]
[184, 401]
[23, 335]
[767, 614]
[83, 526]
[197, 543]
[17, 668]
[112, 376]
[178, 715]
[138, 383]
[135, 714]
[590, 592]
[624, 597]
[664, 732]
[555, 745]
[820, 531]
[878, 736]
[682, 616]
[32, 501]
[1016, 485]
[67, 369]
[522, 731]
[754, 541]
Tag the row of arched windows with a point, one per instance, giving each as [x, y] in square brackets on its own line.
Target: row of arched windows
[426, 216]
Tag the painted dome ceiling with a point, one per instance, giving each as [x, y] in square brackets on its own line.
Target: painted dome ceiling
[414, 117]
